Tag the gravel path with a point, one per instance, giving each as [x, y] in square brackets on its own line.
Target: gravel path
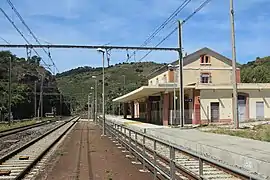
[14, 141]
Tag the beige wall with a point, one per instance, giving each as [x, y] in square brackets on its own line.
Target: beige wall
[224, 97]
[220, 72]
[259, 96]
[162, 78]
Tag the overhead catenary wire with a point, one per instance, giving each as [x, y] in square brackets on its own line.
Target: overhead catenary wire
[4, 40]
[163, 25]
[167, 21]
[17, 29]
[31, 32]
[175, 29]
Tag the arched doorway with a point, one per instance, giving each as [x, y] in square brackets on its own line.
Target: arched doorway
[242, 107]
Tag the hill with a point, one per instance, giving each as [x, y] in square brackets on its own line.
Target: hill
[77, 82]
[257, 71]
[24, 73]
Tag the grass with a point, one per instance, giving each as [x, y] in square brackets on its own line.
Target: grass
[4, 127]
[260, 132]
[16, 124]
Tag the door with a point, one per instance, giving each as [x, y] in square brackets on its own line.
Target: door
[214, 111]
[241, 108]
[260, 110]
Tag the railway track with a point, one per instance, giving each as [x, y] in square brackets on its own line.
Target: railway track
[23, 128]
[167, 161]
[18, 163]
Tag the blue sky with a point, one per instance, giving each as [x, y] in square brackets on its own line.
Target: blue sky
[130, 22]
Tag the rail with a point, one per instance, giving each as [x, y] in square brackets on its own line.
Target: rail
[129, 139]
[22, 128]
[34, 161]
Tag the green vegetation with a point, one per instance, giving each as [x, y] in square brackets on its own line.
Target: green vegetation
[256, 71]
[260, 132]
[24, 73]
[4, 127]
[77, 83]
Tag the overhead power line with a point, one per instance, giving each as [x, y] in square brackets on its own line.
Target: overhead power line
[167, 21]
[4, 40]
[17, 29]
[163, 25]
[31, 32]
[175, 29]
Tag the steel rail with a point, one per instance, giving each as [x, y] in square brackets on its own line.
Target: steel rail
[23, 128]
[226, 168]
[143, 158]
[183, 171]
[33, 163]
[63, 46]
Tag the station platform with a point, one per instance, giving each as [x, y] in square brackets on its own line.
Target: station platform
[247, 154]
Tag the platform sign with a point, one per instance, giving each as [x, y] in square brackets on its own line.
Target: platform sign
[188, 100]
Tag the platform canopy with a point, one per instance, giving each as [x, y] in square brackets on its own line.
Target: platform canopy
[240, 86]
[145, 91]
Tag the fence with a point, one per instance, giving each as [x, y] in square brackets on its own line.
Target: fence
[187, 117]
[150, 151]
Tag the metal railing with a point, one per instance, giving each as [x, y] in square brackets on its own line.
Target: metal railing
[144, 149]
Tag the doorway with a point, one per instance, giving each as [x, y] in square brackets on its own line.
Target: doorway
[259, 110]
[241, 108]
[214, 111]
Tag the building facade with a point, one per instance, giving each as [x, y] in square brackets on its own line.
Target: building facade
[207, 83]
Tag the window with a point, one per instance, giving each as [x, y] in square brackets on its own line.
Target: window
[206, 78]
[205, 59]
[165, 78]
[157, 81]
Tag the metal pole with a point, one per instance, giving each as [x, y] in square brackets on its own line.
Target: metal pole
[113, 108]
[96, 101]
[41, 109]
[88, 105]
[60, 104]
[124, 82]
[35, 99]
[174, 98]
[234, 82]
[103, 95]
[9, 94]
[40, 98]
[181, 88]
[124, 92]
[119, 113]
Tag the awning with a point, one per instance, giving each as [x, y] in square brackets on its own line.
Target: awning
[145, 91]
[240, 86]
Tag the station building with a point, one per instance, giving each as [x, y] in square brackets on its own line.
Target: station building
[207, 83]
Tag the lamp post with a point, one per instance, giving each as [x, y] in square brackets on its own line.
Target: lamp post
[124, 91]
[88, 105]
[103, 90]
[9, 93]
[174, 67]
[95, 101]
